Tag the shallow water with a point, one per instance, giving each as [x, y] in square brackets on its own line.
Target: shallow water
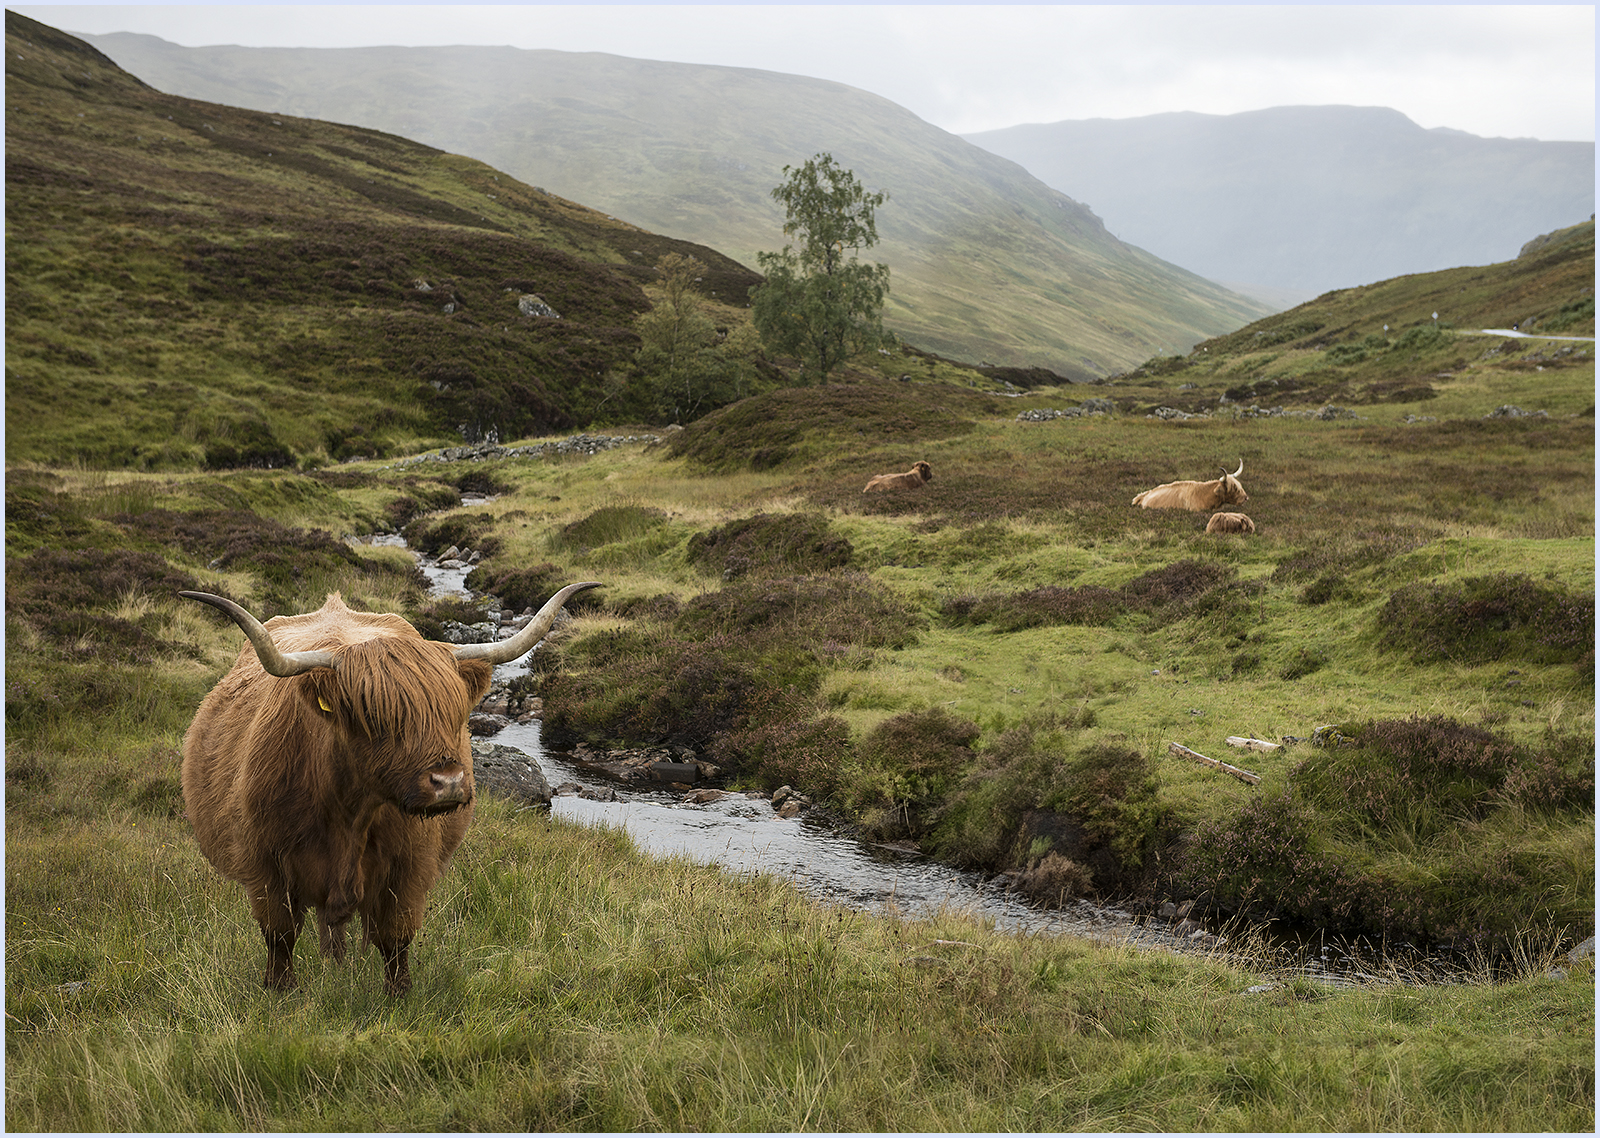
[746, 836]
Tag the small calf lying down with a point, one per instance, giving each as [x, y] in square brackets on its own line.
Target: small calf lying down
[1230, 523]
[918, 474]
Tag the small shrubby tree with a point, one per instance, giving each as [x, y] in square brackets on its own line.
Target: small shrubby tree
[692, 368]
[819, 302]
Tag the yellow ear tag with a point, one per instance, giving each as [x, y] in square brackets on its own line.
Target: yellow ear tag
[322, 703]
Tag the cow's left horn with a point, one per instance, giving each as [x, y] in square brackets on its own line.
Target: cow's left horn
[276, 662]
[504, 651]
[1238, 472]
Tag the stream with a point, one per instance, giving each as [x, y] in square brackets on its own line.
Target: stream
[746, 836]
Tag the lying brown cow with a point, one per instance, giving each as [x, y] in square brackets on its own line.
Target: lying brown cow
[331, 768]
[919, 473]
[1230, 523]
[1196, 496]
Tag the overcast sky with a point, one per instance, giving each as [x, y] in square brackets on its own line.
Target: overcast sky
[1513, 70]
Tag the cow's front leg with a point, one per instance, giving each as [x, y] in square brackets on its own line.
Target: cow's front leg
[396, 965]
[280, 916]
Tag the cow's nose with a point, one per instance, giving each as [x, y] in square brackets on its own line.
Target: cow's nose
[448, 785]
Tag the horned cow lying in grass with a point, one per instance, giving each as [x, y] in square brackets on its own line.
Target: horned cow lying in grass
[1196, 496]
[918, 474]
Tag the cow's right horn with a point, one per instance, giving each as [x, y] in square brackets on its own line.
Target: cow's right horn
[1236, 473]
[504, 651]
[277, 663]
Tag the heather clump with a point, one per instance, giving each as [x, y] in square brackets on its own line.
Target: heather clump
[715, 665]
[1422, 827]
[527, 587]
[908, 764]
[434, 535]
[784, 426]
[1164, 593]
[607, 526]
[291, 567]
[1488, 618]
[770, 545]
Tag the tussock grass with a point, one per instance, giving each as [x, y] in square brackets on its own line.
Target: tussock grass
[566, 982]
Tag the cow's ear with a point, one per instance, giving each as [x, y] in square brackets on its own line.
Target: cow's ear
[319, 690]
[476, 674]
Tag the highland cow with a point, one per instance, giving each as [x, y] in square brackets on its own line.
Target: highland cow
[1196, 496]
[1230, 523]
[331, 768]
[919, 473]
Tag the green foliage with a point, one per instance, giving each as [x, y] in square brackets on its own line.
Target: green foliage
[819, 302]
[909, 763]
[1479, 619]
[770, 545]
[1323, 850]
[786, 427]
[692, 368]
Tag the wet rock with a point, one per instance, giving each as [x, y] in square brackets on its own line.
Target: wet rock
[708, 794]
[509, 773]
[674, 772]
[455, 632]
[592, 793]
[483, 723]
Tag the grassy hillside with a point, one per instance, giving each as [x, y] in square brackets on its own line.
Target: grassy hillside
[989, 668]
[1304, 199]
[194, 284]
[988, 263]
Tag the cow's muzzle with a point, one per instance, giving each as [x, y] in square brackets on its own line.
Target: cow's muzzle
[444, 788]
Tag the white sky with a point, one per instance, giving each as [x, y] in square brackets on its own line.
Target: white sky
[1511, 70]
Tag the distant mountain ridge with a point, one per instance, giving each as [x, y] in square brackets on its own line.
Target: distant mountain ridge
[1299, 200]
[988, 263]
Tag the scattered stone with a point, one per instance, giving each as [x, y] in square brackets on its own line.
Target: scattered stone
[575, 444]
[1511, 411]
[482, 723]
[1087, 407]
[1581, 951]
[509, 772]
[531, 304]
[484, 632]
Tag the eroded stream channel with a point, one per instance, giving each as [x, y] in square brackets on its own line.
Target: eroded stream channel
[747, 836]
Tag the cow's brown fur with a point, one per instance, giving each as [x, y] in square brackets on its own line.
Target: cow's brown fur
[1230, 523]
[308, 807]
[919, 473]
[1196, 496]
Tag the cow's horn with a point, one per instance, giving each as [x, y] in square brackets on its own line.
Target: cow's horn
[504, 651]
[277, 663]
[1238, 472]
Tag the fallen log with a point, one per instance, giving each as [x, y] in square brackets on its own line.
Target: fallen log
[1252, 744]
[1237, 772]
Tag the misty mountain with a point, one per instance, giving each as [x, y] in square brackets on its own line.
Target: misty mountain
[988, 263]
[1289, 202]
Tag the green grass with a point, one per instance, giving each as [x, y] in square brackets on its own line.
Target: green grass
[565, 982]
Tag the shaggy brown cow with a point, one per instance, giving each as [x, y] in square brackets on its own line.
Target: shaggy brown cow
[1230, 523]
[919, 473]
[1197, 496]
[331, 768]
